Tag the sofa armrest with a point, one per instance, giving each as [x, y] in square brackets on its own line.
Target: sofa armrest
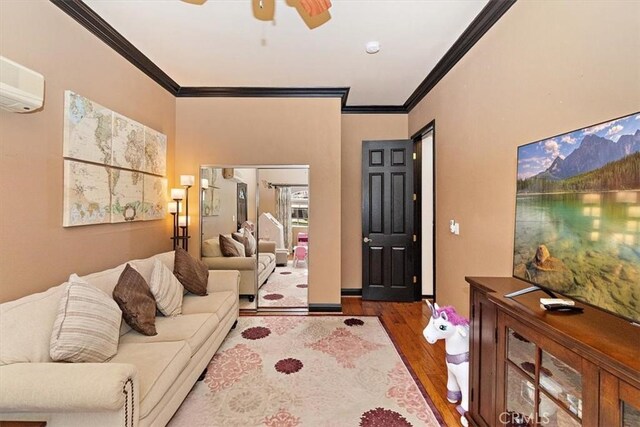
[223, 280]
[230, 263]
[67, 387]
[267, 246]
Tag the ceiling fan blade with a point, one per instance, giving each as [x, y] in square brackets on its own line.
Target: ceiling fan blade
[315, 7]
[320, 8]
[264, 10]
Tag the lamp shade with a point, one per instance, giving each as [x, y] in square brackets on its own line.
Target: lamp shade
[184, 220]
[204, 183]
[187, 180]
[173, 207]
[177, 193]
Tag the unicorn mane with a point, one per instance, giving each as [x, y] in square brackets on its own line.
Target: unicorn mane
[454, 318]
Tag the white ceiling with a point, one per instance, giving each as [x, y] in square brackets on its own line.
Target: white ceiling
[220, 43]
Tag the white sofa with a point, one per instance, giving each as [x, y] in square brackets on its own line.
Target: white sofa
[143, 385]
[250, 270]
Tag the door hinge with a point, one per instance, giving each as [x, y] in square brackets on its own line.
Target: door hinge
[415, 279]
[496, 336]
[415, 238]
[415, 197]
[415, 156]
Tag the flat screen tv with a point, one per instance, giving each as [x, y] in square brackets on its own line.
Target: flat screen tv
[577, 227]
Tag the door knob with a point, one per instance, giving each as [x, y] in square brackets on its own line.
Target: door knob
[367, 240]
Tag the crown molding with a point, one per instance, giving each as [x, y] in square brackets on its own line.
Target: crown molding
[90, 20]
[264, 92]
[488, 16]
[374, 109]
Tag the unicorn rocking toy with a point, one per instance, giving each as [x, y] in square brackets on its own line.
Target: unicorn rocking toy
[446, 324]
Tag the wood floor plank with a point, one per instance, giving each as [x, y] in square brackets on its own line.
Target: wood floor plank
[405, 323]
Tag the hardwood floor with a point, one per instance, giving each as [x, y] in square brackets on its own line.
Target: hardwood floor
[405, 322]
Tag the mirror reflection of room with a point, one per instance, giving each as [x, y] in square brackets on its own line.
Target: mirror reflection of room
[283, 211]
[228, 215]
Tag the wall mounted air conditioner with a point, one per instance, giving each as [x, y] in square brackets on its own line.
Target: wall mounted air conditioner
[21, 89]
[232, 175]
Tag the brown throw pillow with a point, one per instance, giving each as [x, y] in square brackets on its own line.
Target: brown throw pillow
[191, 272]
[230, 248]
[136, 301]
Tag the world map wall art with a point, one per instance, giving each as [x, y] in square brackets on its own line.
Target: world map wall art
[114, 167]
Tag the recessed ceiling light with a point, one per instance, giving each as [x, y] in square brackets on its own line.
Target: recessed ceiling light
[373, 47]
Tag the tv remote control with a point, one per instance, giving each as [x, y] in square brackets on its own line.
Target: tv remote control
[562, 307]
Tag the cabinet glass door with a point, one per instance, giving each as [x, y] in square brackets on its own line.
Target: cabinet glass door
[520, 399]
[630, 415]
[552, 415]
[521, 352]
[544, 383]
[562, 382]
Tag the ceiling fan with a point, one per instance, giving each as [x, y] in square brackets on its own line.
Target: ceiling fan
[313, 12]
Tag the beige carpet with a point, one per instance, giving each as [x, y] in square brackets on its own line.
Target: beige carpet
[286, 287]
[320, 371]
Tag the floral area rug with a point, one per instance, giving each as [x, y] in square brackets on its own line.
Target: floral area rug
[286, 371]
[286, 287]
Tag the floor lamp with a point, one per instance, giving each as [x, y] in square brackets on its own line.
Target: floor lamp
[187, 182]
[175, 208]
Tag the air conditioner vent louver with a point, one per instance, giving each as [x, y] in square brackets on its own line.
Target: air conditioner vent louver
[21, 89]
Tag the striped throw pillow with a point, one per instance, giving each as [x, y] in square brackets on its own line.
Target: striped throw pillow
[166, 289]
[87, 327]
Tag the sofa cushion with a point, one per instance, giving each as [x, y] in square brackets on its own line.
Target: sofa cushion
[266, 260]
[26, 325]
[87, 326]
[159, 364]
[211, 248]
[229, 247]
[191, 272]
[166, 289]
[136, 301]
[167, 259]
[192, 328]
[105, 280]
[219, 303]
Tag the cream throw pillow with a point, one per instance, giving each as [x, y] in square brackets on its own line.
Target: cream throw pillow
[166, 289]
[87, 327]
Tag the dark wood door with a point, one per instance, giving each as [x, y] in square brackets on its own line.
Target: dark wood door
[387, 221]
[242, 204]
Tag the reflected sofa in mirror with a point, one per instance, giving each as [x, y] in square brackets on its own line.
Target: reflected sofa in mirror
[228, 209]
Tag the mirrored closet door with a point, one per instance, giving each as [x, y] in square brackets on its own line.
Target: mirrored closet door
[255, 220]
[283, 220]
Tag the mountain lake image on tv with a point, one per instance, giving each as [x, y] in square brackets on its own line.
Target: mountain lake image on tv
[577, 228]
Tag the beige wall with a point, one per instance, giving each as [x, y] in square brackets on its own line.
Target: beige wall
[36, 252]
[545, 68]
[279, 131]
[355, 129]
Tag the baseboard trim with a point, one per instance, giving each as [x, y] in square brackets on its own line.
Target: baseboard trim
[350, 292]
[327, 308]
